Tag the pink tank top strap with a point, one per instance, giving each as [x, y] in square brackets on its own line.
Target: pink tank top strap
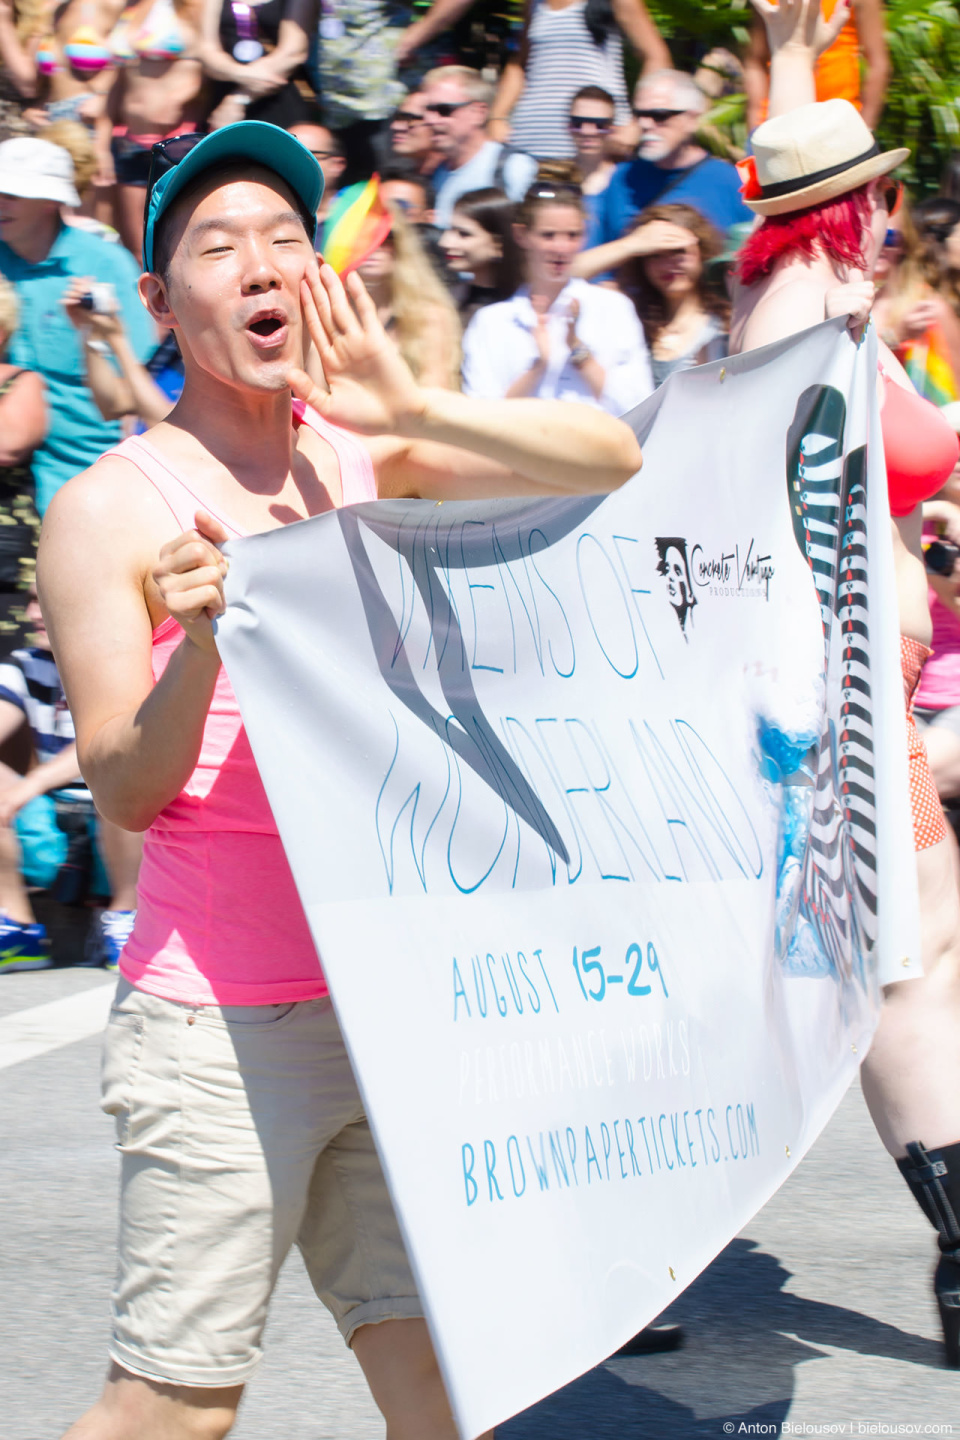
[181, 500]
[357, 480]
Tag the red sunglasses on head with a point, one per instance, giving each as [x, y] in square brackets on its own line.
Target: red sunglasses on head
[891, 192]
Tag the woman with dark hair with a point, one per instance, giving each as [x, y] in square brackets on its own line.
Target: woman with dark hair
[479, 245]
[684, 314]
[566, 44]
[820, 183]
[557, 336]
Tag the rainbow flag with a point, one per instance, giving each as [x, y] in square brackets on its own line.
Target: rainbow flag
[358, 224]
[927, 362]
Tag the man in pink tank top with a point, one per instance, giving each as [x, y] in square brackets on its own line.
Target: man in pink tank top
[238, 1120]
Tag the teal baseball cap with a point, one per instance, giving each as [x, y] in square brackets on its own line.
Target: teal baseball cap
[183, 157]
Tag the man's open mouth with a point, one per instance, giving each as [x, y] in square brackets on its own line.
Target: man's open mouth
[268, 325]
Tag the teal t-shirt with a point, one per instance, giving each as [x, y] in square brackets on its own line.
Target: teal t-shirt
[45, 341]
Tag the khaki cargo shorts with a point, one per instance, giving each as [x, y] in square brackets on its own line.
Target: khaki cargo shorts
[242, 1132]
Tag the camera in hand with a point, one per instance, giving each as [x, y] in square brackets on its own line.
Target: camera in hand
[940, 556]
[101, 298]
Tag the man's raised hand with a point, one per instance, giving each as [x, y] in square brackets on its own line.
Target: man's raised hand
[189, 575]
[371, 389]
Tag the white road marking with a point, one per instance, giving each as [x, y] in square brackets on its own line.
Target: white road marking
[29, 1033]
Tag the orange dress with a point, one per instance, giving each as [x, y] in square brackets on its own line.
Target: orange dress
[838, 69]
[837, 72]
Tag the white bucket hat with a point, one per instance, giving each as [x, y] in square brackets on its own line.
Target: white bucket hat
[812, 154]
[36, 170]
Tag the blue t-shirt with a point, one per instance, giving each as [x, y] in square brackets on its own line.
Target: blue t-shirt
[712, 186]
[45, 341]
[594, 232]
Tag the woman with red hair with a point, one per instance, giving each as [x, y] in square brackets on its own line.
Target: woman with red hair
[820, 182]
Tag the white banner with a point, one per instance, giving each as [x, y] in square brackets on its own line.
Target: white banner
[598, 811]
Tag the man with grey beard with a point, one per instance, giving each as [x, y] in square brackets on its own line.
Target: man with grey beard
[669, 165]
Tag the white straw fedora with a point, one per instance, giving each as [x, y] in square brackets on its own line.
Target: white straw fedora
[813, 154]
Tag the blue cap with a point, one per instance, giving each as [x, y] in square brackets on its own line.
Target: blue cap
[252, 140]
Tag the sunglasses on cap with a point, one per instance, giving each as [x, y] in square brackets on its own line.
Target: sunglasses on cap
[659, 117]
[599, 122]
[164, 156]
[445, 108]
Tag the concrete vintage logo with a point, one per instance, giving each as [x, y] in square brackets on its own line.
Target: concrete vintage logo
[740, 573]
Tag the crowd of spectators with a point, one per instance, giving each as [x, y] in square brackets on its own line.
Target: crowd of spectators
[543, 231]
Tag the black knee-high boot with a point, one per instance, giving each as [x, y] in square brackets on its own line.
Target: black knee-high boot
[934, 1178]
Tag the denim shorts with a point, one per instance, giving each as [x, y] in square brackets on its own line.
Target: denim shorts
[131, 161]
[241, 1132]
[947, 719]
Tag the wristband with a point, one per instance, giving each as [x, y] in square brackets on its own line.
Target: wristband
[579, 356]
[99, 347]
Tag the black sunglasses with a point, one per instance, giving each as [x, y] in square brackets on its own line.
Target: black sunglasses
[406, 117]
[164, 156]
[657, 116]
[599, 122]
[445, 108]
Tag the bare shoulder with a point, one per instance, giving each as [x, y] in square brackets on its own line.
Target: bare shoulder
[112, 493]
[787, 305]
[107, 522]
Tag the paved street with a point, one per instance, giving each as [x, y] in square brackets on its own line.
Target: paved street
[819, 1313]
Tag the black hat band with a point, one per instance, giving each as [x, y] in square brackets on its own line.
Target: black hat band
[803, 182]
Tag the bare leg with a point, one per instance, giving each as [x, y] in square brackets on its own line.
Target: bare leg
[131, 1408]
[129, 218]
[911, 1077]
[122, 851]
[404, 1378]
[101, 204]
[13, 892]
[943, 752]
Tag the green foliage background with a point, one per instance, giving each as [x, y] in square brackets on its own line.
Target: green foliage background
[923, 100]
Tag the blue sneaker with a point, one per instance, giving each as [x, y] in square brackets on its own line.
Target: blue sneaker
[109, 932]
[23, 947]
